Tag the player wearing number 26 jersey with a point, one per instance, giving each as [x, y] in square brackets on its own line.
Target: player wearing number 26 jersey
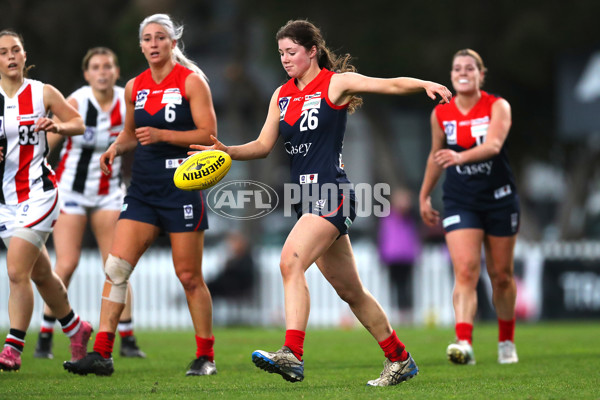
[312, 128]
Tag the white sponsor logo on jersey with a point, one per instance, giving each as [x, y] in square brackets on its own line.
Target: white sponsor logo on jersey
[309, 178]
[310, 104]
[302, 148]
[502, 192]
[475, 169]
[479, 128]
[171, 163]
[454, 219]
[171, 98]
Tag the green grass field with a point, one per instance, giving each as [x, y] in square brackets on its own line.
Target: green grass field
[557, 361]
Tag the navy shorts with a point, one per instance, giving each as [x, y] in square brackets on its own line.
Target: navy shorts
[500, 222]
[340, 211]
[184, 218]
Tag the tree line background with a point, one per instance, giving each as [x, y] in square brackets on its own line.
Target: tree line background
[233, 41]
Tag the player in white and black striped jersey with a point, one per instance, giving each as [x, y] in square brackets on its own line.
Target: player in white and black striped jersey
[29, 198]
[86, 192]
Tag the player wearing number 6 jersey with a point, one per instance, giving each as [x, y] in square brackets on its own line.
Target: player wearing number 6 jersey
[169, 106]
[309, 112]
[86, 192]
[29, 203]
[481, 207]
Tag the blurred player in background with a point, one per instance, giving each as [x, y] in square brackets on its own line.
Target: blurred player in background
[481, 206]
[169, 106]
[85, 191]
[309, 112]
[29, 203]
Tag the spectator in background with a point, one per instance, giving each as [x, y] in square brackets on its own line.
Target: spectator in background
[87, 193]
[481, 205]
[400, 245]
[236, 279]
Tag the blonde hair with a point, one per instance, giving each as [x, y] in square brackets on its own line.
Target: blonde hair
[175, 32]
[307, 35]
[478, 60]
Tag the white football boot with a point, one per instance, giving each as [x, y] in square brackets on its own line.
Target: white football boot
[507, 353]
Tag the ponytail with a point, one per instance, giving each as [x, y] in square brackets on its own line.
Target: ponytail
[175, 32]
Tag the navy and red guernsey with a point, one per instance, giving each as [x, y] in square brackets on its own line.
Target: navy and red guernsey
[483, 185]
[312, 129]
[162, 106]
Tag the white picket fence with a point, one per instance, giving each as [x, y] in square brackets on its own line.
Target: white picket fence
[159, 301]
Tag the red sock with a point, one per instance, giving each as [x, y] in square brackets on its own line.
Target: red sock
[104, 343]
[464, 331]
[393, 348]
[506, 330]
[204, 347]
[294, 339]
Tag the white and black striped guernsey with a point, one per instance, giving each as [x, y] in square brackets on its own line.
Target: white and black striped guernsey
[79, 166]
[24, 171]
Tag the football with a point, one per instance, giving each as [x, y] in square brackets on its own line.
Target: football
[202, 170]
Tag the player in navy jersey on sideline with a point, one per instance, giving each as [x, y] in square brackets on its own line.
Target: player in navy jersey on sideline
[481, 206]
[309, 113]
[29, 203]
[169, 106]
[85, 191]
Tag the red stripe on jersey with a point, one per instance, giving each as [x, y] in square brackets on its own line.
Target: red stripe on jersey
[61, 165]
[26, 101]
[25, 151]
[115, 115]
[22, 176]
[34, 223]
[105, 182]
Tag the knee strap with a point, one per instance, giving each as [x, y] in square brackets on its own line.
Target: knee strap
[117, 273]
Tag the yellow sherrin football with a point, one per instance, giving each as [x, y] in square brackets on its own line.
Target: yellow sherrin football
[202, 170]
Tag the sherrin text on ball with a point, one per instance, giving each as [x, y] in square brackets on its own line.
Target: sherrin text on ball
[202, 170]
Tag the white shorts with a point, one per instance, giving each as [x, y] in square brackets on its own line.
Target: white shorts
[38, 213]
[77, 203]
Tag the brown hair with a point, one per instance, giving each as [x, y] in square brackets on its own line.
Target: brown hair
[475, 55]
[308, 35]
[8, 32]
[95, 51]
